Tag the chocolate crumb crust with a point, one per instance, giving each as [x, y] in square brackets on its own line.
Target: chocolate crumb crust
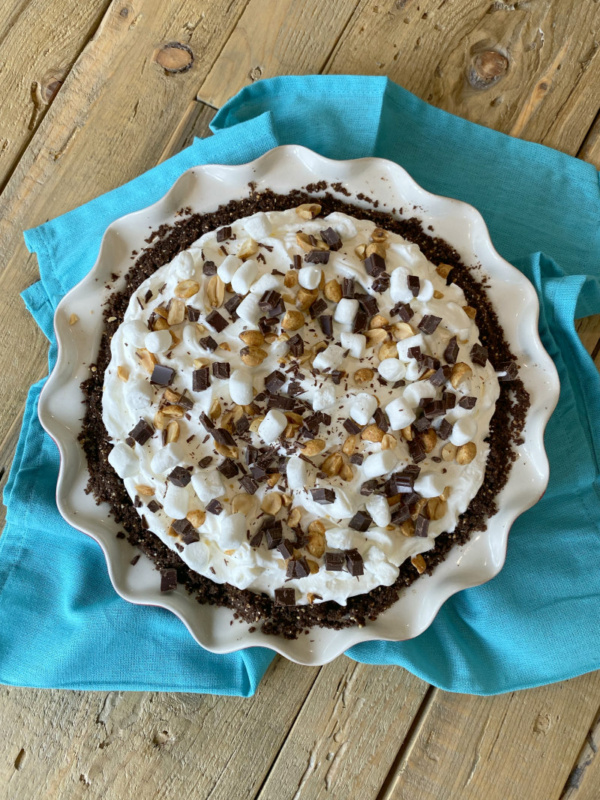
[279, 619]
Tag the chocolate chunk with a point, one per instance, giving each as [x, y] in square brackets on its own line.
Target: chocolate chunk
[332, 238]
[222, 436]
[281, 401]
[429, 323]
[207, 422]
[221, 369]
[317, 256]
[351, 426]
[510, 371]
[440, 376]
[162, 376]
[179, 477]
[374, 265]
[256, 539]
[326, 322]
[422, 424]
[445, 429]
[205, 462]
[142, 432]
[354, 562]
[295, 388]
[429, 362]
[368, 487]
[416, 450]
[217, 321]
[368, 303]
[185, 401]
[381, 284]
[421, 526]
[336, 376]
[228, 468]
[137, 503]
[297, 262]
[449, 400]
[434, 408]
[223, 234]
[286, 548]
[361, 521]
[168, 580]
[193, 314]
[296, 345]
[129, 441]
[467, 402]
[200, 379]
[277, 311]
[209, 268]
[232, 304]
[381, 420]
[154, 507]
[274, 381]
[414, 352]
[186, 530]
[269, 300]
[214, 507]
[414, 284]
[400, 483]
[360, 321]
[348, 288]
[479, 355]
[242, 425]
[323, 496]
[208, 343]
[335, 562]
[400, 515]
[265, 324]
[451, 351]
[286, 596]
[302, 570]
[317, 308]
[273, 536]
[357, 459]
[403, 310]
[248, 484]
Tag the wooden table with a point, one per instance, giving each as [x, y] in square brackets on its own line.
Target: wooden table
[91, 95]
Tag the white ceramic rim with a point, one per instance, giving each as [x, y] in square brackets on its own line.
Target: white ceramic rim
[284, 168]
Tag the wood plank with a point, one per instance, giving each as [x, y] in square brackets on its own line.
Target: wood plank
[276, 37]
[347, 734]
[589, 333]
[194, 124]
[522, 744]
[530, 69]
[118, 104]
[129, 745]
[584, 779]
[590, 149]
[38, 51]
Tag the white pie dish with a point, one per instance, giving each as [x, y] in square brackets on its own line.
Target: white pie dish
[282, 169]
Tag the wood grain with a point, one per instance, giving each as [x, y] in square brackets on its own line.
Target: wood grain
[519, 745]
[126, 745]
[584, 780]
[38, 50]
[347, 733]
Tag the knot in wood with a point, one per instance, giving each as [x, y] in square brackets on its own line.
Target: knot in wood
[255, 74]
[175, 58]
[487, 68]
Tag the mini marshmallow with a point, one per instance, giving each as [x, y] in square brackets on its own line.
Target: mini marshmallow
[339, 538]
[166, 458]
[296, 473]
[207, 484]
[379, 509]
[245, 277]
[399, 414]
[379, 464]
[228, 267]
[391, 369]
[430, 484]
[309, 277]
[240, 387]
[399, 291]
[409, 254]
[176, 502]
[248, 309]
[464, 430]
[196, 256]
[258, 226]
[345, 311]
[417, 391]
[134, 333]
[404, 346]
[265, 283]
[197, 555]
[158, 341]
[183, 266]
[413, 370]
[362, 408]
[426, 291]
[330, 358]
[232, 531]
[356, 343]
[272, 426]
[324, 397]
[124, 461]
[190, 338]
[139, 396]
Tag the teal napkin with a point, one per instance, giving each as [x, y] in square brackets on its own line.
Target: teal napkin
[537, 622]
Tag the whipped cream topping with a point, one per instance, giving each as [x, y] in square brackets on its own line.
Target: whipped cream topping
[290, 416]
